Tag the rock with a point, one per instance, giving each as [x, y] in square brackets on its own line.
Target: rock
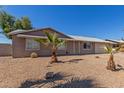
[49, 75]
[97, 57]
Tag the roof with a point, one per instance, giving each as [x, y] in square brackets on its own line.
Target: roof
[90, 39]
[17, 31]
[121, 41]
[73, 38]
[20, 32]
[115, 41]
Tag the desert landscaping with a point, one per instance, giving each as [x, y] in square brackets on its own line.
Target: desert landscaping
[79, 71]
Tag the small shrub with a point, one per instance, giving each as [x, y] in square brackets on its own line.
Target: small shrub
[97, 57]
[33, 55]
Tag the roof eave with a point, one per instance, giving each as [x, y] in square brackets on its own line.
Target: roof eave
[24, 31]
[31, 36]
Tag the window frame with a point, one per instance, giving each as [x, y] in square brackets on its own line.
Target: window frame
[87, 45]
[27, 40]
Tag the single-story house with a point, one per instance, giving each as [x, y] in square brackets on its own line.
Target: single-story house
[23, 43]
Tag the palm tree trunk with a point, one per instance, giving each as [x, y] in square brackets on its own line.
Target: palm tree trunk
[54, 57]
[111, 63]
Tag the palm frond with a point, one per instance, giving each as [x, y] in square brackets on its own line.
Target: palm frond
[55, 38]
[118, 48]
[108, 49]
[43, 41]
[61, 42]
[49, 36]
[40, 40]
[52, 40]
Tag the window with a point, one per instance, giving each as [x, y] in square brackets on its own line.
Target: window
[32, 45]
[62, 47]
[87, 45]
[115, 45]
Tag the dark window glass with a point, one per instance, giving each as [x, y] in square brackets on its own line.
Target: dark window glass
[87, 45]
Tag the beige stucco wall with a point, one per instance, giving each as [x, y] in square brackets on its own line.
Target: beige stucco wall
[72, 47]
[5, 49]
[76, 47]
[99, 48]
[87, 51]
[19, 48]
[19, 45]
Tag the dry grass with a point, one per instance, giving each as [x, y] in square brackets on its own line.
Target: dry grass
[88, 70]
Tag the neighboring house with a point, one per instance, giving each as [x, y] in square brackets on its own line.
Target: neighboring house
[5, 49]
[116, 43]
[23, 43]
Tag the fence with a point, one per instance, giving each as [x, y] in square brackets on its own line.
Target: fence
[5, 49]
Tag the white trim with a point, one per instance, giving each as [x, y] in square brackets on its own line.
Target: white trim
[44, 37]
[32, 49]
[31, 36]
[86, 49]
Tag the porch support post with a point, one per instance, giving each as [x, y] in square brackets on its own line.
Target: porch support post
[73, 47]
[79, 46]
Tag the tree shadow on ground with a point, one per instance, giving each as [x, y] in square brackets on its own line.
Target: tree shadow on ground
[67, 61]
[78, 83]
[119, 67]
[41, 83]
[74, 82]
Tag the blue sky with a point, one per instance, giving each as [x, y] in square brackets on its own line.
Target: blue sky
[95, 21]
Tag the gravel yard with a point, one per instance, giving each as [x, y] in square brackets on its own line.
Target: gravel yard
[72, 71]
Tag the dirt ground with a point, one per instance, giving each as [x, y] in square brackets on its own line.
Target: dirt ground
[72, 71]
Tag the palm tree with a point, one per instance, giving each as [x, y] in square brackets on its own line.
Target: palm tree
[6, 23]
[10, 23]
[111, 64]
[52, 42]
